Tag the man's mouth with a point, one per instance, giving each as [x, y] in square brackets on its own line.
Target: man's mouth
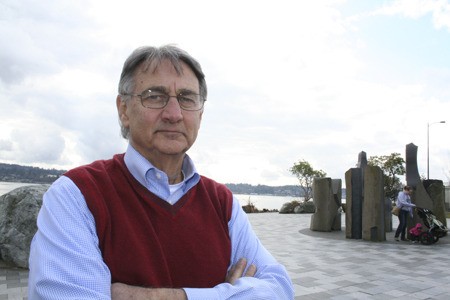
[170, 133]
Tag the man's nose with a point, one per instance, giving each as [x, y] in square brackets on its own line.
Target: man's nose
[173, 111]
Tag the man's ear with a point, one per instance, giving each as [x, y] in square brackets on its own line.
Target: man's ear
[122, 110]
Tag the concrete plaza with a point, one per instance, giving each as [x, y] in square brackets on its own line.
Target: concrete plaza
[326, 265]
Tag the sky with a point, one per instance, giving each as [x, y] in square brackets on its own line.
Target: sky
[288, 80]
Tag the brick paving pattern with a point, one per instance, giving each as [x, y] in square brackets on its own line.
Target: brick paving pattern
[327, 265]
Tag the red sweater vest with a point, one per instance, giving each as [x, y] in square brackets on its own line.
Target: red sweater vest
[147, 242]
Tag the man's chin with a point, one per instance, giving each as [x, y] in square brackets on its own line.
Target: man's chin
[174, 150]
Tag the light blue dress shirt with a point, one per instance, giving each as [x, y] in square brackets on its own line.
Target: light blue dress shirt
[404, 202]
[66, 262]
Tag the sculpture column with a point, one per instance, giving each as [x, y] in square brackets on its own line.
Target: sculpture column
[373, 228]
[354, 183]
[353, 203]
[428, 194]
[324, 218]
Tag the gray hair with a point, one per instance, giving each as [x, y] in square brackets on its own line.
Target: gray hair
[150, 58]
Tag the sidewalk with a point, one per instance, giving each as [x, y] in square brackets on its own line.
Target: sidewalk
[326, 265]
[13, 282]
[329, 266]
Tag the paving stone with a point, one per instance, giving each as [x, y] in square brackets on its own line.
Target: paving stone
[326, 265]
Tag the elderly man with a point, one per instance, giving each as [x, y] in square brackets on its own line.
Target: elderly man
[145, 224]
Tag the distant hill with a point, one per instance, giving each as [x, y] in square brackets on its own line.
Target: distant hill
[18, 173]
[285, 190]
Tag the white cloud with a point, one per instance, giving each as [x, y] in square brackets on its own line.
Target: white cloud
[288, 80]
[32, 143]
[415, 9]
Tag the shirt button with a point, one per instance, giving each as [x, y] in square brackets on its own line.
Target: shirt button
[158, 175]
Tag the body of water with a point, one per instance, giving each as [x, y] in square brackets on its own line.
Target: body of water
[260, 201]
[265, 201]
[6, 187]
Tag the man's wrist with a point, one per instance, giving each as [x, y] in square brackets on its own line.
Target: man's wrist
[120, 291]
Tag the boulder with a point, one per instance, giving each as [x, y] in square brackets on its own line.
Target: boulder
[298, 210]
[288, 207]
[18, 213]
[296, 207]
[307, 207]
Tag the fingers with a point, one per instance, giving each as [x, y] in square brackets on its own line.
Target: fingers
[251, 271]
[237, 271]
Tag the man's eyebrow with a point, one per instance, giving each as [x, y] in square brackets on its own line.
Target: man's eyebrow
[157, 88]
[186, 91]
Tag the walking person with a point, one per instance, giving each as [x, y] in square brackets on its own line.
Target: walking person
[405, 205]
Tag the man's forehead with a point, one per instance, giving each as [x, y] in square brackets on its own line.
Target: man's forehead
[152, 66]
[147, 75]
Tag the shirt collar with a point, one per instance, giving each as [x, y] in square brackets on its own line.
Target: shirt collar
[139, 166]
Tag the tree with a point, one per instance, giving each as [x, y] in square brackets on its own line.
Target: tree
[391, 165]
[305, 175]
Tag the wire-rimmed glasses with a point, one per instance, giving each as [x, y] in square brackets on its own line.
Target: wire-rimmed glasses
[157, 100]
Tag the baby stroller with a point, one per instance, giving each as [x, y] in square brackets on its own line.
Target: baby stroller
[435, 230]
[416, 232]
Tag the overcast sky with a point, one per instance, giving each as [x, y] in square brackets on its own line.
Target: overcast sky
[288, 80]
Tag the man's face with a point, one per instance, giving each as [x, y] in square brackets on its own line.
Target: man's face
[169, 131]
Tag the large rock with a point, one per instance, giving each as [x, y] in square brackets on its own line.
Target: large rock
[297, 207]
[289, 207]
[18, 212]
[305, 208]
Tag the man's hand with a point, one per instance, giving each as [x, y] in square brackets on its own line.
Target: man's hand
[120, 291]
[237, 271]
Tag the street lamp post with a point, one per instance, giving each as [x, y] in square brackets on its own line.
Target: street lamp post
[428, 146]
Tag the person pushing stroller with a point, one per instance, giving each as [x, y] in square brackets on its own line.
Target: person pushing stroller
[405, 205]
